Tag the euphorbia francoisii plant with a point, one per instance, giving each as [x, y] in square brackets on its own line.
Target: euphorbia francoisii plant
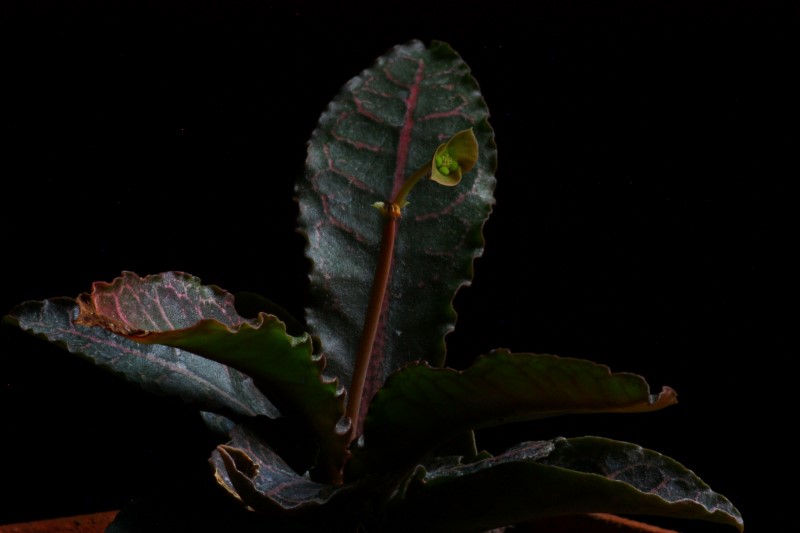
[391, 428]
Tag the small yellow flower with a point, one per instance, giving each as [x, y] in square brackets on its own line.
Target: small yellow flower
[453, 158]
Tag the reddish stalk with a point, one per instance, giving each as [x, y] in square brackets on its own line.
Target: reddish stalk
[391, 212]
[380, 281]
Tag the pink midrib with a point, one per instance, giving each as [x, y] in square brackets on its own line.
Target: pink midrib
[404, 143]
[374, 379]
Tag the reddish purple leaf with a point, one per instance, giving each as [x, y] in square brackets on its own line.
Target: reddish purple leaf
[131, 305]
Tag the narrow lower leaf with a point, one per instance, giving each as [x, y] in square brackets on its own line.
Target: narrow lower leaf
[421, 406]
[553, 478]
[158, 369]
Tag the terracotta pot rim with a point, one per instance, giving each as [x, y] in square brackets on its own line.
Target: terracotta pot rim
[593, 522]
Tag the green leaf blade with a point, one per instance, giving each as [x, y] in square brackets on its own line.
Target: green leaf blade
[421, 406]
[384, 125]
[554, 478]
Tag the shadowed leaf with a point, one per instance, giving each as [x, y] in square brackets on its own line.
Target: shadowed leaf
[552, 478]
[384, 125]
[421, 406]
[157, 369]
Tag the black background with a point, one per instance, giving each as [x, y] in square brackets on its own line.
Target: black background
[645, 219]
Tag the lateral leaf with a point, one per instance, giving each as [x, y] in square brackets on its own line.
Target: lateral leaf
[420, 406]
[553, 478]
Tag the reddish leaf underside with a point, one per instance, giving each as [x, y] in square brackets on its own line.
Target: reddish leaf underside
[132, 305]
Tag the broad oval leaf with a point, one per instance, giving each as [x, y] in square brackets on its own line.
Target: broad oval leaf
[421, 406]
[553, 478]
[175, 309]
[384, 125]
[157, 369]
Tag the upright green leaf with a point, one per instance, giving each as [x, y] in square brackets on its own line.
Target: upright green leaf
[421, 406]
[552, 478]
[384, 125]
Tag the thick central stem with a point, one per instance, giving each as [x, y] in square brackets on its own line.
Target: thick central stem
[458, 155]
[391, 212]
[379, 284]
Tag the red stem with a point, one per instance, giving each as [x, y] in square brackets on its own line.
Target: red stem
[379, 284]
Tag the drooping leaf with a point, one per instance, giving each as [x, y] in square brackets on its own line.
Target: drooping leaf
[384, 125]
[175, 309]
[421, 406]
[157, 369]
[254, 474]
[552, 478]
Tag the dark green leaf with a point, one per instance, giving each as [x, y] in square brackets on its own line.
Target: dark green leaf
[559, 477]
[158, 369]
[384, 125]
[174, 309]
[421, 406]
